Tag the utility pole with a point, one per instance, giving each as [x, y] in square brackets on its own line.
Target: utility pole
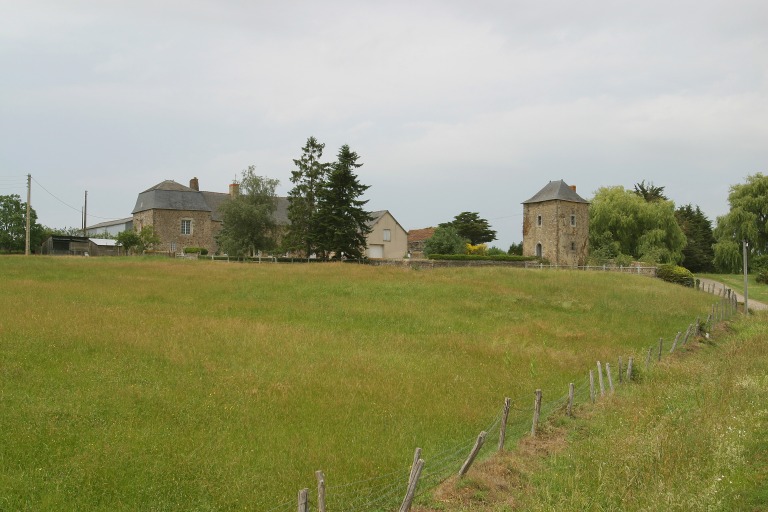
[745, 245]
[85, 214]
[29, 209]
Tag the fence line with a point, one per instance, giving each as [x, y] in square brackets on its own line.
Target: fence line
[427, 471]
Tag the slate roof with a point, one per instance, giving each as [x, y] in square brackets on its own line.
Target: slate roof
[377, 215]
[556, 191]
[170, 195]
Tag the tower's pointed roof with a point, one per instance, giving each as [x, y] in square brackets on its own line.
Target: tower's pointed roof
[556, 191]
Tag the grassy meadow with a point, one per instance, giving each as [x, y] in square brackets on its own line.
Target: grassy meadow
[154, 384]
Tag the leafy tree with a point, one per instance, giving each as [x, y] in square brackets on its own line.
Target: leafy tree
[67, 231]
[13, 225]
[623, 223]
[128, 240]
[746, 220]
[698, 255]
[308, 178]
[470, 226]
[650, 192]
[446, 240]
[516, 249]
[248, 220]
[148, 239]
[342, 223]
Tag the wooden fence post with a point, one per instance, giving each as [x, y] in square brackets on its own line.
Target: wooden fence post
[674, 343]
[661, 346]
[600, 378]
[687, 334]
[610, 379]
[648, 358]
[412, 482]
[629, 369]
[304, 500]
[536, 412]
[416, 458]
[592, 385]
[472, 455]
[621, 377]
[320, 491]
[504, 418]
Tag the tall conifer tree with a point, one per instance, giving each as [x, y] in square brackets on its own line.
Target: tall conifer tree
[342, 220]
[308, 178]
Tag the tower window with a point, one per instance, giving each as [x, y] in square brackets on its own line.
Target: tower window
[573, 246]
[573, 220]
[538, 220]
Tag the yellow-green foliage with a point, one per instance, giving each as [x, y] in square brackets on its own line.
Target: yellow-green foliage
[479, 249]
[133, 383]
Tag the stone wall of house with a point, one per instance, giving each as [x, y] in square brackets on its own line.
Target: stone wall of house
[167, 224]
[563, 241]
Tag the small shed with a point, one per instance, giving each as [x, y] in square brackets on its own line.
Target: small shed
[68, 245]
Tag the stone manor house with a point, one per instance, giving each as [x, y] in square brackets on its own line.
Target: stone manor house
[189, 217]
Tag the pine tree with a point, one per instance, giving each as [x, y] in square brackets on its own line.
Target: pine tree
[308, 178]
[698, 254]
[341, 220]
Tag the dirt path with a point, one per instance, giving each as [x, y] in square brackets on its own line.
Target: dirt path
[753, 304]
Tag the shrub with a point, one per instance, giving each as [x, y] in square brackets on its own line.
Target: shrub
[479, 249]
[495, 251]
[196, 250]
[762, 276]
[675, 274]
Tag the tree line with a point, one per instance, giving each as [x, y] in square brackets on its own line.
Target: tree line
[327, 219]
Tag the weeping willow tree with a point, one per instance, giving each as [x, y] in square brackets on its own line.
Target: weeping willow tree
[622, 224]
[746, 220]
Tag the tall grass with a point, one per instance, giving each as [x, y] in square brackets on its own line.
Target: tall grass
[159, 384]
[691, 437]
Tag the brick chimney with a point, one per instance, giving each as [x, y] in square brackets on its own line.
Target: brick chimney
[194, 185]
[573, 187]
[234, 189]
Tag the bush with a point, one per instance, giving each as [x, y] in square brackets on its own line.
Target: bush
[196, 250]
[762, 276]
[675, 274]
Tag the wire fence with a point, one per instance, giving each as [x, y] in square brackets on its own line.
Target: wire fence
[388, 492]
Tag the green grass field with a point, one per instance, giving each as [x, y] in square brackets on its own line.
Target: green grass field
[164, 385]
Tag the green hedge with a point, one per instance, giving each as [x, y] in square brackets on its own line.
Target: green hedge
[675, 274]
[477, 257]
[196, 250]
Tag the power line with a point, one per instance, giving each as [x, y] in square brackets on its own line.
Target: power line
[78, 210]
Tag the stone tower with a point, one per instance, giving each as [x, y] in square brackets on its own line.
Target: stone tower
[556, 225]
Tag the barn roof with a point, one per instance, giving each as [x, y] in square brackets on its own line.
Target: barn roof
[556, 191]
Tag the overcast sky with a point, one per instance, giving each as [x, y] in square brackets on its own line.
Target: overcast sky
[452, 105]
